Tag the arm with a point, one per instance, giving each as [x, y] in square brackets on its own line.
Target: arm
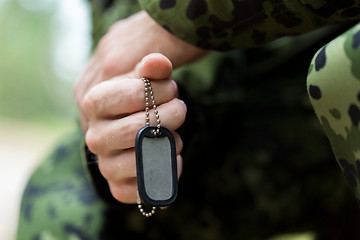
[225, 25]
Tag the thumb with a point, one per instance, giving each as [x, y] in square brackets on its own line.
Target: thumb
[154, 66]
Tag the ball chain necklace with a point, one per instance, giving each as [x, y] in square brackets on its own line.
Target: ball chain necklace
[156, 164]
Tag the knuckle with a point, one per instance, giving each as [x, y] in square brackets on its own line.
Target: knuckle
[110, 66]
[93, 101]
[93, 141]
[128, 133]
[104, 169]
[87, 104]
[105, 41]
[124, 191]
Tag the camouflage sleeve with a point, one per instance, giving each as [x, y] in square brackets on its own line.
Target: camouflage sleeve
[224, 24]
[334, 88]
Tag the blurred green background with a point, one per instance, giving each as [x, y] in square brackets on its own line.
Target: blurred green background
[44, 45]
[35, 82]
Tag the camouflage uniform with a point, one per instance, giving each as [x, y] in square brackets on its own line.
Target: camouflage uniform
[256, 162]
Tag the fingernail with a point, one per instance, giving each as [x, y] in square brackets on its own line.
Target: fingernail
[147, 57]
[143, 61]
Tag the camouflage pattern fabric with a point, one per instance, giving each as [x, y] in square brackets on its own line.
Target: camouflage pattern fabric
[59, 201]
[256, 161]
[224, 24]
[334, 89]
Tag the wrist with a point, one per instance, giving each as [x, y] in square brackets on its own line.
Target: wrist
[177, 50]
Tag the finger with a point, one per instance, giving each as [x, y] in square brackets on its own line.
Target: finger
[116, 97]
[179, 165]
[122, 164]
[82, 86]
[154, 66]
[89, 77]
[109, 135]
[126, 191]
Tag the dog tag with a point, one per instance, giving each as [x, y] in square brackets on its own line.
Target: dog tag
[156, 166]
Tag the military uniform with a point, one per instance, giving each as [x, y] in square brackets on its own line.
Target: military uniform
[256, 161]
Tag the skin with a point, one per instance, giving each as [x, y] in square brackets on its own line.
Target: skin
[111, 100]
[122, 48]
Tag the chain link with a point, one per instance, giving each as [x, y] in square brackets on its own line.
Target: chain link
[149, 96]
[141, 209]
[146, 214]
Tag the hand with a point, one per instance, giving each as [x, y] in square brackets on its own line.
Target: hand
[125, 44]
[115, 113]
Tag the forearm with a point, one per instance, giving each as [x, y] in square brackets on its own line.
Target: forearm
[225, 25]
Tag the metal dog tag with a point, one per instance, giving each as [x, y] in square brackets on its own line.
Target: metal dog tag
[156, 166]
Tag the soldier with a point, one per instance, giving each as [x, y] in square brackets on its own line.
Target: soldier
[255, 162]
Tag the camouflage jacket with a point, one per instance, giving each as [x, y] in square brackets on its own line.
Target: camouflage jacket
[266, 168]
